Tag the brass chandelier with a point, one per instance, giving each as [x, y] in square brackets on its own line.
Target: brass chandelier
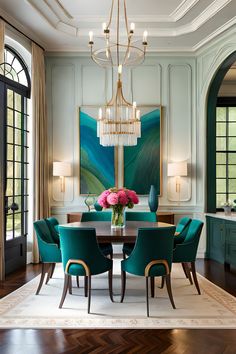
[118, 121]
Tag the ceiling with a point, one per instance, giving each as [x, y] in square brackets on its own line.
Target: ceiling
[172, 25]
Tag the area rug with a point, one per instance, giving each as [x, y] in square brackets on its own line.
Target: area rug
[215, 308]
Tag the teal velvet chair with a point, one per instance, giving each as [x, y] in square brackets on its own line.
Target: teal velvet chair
[186, 251]
[151, 257]
[137, 216]
[106, 248]
[182, 229]
[53, 225]
[49, 251]
[81, 256]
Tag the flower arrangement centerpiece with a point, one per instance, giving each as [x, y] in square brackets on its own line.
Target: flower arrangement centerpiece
[117, 200]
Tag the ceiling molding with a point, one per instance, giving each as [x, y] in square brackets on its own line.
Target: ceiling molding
[183, 8]
[214, 34]
[70, 29]
[22, 28]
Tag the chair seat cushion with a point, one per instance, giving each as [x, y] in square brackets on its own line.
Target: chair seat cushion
[106, 248]
[77, 269]
[156, 270]
[128, 248]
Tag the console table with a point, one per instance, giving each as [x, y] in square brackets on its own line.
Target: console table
[161, 216]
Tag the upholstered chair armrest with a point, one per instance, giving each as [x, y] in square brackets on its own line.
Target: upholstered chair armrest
[49, 252]
[185, 252]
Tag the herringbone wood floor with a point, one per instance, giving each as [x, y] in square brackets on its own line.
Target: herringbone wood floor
[174, 341]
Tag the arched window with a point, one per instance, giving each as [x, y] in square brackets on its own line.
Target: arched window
[221, 142]
[14, 69]
[14, 131]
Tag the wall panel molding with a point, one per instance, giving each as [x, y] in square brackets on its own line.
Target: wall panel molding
[179, 124]
[63, 121]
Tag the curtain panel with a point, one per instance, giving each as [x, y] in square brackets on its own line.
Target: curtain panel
[40, 139]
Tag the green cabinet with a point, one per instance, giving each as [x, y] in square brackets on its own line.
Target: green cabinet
[221, 240]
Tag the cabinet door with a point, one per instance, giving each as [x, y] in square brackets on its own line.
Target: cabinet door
[216, 239]
[230, 251]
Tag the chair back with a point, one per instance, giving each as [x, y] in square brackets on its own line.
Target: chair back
[187, 250]
[151, 244]
[53, 227]
[141, 216]
[183, 224]
[42, 231]
[194, 232]
[96, 216]
[48, 248]
[81, 243]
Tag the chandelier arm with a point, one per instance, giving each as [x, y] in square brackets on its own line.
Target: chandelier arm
[111, 14]
[118, 33]
[126, 20]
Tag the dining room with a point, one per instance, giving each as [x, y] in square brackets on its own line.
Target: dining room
[118, 178]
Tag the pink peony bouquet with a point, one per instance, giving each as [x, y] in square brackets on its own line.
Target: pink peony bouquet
[121, 197]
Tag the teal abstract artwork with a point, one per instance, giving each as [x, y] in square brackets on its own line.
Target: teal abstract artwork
[97, 163]
[142, 162]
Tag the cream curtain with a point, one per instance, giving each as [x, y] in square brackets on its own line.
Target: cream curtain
[40, 143]
[2, 37]
[2, 262]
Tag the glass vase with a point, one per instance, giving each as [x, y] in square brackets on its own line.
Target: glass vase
[118, 217]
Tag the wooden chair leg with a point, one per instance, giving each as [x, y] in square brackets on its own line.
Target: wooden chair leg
[43, 272]
[89, 292]
[152, 286]
[110, 276]
[65, 288]
[50, 267]
[183, 266]
[111, 255]
[147, 300]
[124, 255]
[70, 284]
[162, 282]
[123, 285]
[186, 266]
[85, 286]
[195, 277]
[77, 281]
[168, 285]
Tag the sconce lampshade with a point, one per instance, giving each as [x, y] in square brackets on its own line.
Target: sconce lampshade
[177, 169]
[62, 169]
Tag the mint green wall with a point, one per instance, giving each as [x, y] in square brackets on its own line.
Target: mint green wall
[179, 83]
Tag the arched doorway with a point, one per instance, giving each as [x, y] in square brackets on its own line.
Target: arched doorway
[211, 130]
[14, 91]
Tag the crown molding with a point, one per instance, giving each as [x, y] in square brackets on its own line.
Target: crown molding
[21, 27]
[214, 34]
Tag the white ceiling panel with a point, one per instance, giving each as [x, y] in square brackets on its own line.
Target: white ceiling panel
[173, 25]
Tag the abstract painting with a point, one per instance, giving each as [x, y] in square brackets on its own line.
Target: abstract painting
[142, 163]
[97, 163]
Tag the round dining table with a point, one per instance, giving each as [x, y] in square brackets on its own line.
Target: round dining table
[107, 234]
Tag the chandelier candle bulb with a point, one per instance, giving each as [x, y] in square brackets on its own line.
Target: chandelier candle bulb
[120, 69]
[145, 34]
[132, 27]
[90, 37]
[100, 113]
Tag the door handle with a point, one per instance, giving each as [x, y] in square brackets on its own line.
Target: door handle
[14, 206]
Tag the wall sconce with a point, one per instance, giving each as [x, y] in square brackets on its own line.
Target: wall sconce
[62, 170]
[177, 170]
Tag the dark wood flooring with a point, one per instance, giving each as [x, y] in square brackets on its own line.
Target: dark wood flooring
[175, 341]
